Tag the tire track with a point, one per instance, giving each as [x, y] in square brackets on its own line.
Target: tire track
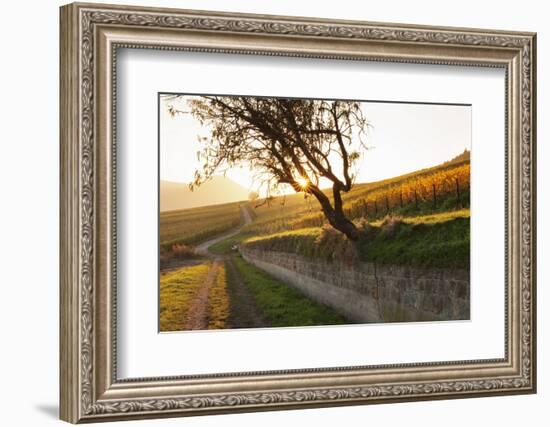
[197, 315]
[244, 312]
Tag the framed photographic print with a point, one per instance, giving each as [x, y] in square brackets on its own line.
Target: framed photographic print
[265, 212]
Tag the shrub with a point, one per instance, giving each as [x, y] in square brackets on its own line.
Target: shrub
[180, 250]
[333, 245]
[391, 225]
[368, 231]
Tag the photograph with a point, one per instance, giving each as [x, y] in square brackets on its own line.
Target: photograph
[293, 212]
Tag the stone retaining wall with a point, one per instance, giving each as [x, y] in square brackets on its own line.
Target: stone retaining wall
[372, 293]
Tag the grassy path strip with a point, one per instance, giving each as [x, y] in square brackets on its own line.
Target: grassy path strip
[177, 291]
[244, 312]
[218, 300]
[282, 304]
[197, 314]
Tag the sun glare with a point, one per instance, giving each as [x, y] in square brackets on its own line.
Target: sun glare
[302, 182]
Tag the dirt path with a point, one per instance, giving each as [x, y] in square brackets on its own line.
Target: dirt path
[197, 316]
[203, 247]
[244, 311]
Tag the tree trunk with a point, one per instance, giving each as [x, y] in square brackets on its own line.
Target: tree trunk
[335, 215]
[344, 225]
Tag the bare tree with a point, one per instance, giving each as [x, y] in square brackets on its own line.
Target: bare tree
[299, 142]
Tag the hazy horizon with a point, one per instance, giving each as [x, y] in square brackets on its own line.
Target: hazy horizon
[218, 190]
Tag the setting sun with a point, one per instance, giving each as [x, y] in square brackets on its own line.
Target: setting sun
[302, 182]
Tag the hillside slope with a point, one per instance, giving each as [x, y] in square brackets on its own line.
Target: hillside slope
[409, 194]
[220, 189]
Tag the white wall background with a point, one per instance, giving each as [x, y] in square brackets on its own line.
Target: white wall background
[29, 170]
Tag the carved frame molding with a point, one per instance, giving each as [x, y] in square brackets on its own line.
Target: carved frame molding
[90, 36]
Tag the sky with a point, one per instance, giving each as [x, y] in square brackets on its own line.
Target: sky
[403, 137]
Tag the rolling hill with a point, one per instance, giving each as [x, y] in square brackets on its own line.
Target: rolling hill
[220, 189]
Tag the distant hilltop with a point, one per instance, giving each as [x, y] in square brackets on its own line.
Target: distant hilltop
[465, 155]
[219, 189]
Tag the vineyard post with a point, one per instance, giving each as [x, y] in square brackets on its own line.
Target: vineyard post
[433, 191]
[387, 204]
[375, 208]
[415, 199]
[401, 198]
[458, 201]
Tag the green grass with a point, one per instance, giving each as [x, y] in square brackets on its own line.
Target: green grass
[191, 226]
[429, 244]
[434, 240]
[177, 290]
[283, 305]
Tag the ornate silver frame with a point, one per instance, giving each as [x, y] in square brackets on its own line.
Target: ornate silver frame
[90, 36]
